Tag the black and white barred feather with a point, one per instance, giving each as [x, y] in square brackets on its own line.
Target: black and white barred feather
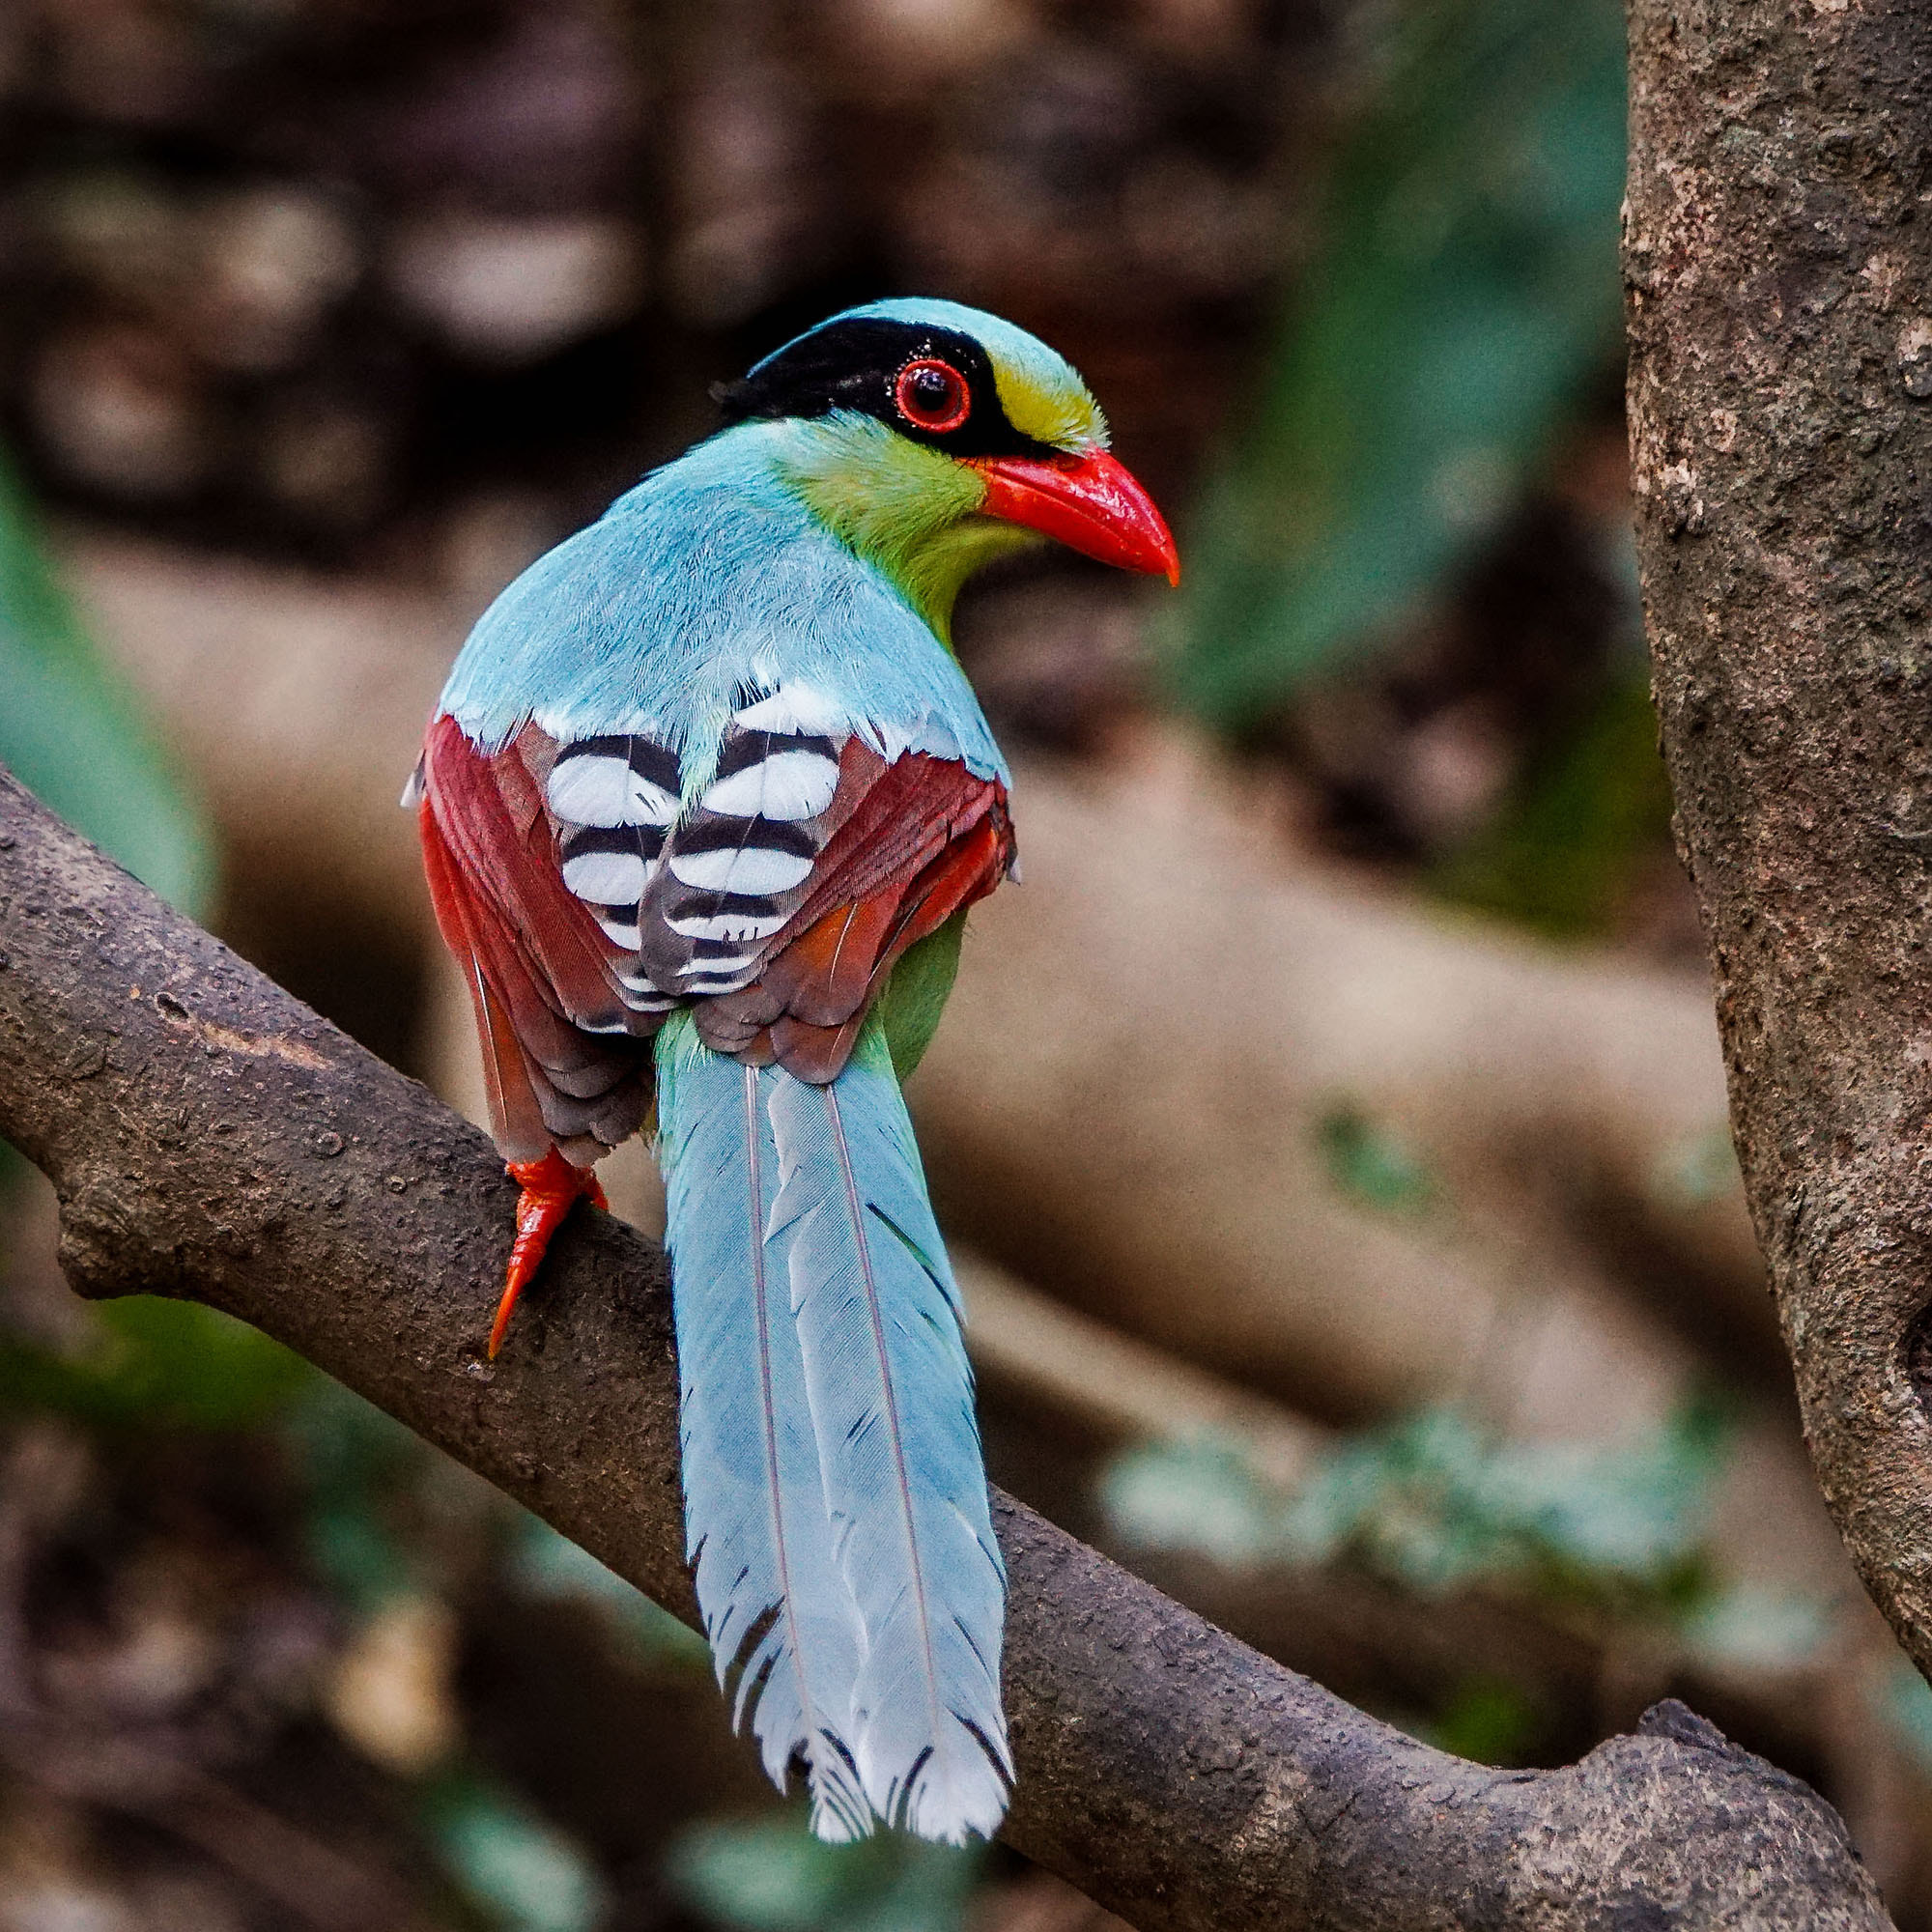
[693, 892]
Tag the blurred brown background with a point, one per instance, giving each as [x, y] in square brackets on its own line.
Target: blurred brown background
[1331, 1128]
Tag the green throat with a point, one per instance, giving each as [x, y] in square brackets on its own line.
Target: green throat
[911, 512]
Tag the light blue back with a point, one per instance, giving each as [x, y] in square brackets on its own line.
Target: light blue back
[706, 583]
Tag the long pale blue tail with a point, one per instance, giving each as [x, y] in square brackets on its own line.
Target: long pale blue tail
[784, 1632]
[835, 1501]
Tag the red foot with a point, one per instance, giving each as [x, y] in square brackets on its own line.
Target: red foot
[551, 1189]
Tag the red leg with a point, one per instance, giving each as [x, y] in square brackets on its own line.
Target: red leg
[551, 1189]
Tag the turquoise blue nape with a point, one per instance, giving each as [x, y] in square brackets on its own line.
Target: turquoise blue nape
[709, 581]
[713, 578]
[1002, 340]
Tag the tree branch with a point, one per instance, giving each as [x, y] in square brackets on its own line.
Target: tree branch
[1779, 264]
[210, 1137]
[1591, 1084]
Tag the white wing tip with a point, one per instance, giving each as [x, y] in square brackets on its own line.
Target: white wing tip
[951, 1803]
[956, 1821]
[836, 1824]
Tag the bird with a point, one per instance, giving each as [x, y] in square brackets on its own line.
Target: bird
[703, 807]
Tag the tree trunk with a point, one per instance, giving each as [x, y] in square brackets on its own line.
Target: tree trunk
[1778, 261]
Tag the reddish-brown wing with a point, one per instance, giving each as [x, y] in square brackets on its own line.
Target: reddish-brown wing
[563, 1066]
[923, 838]
[569, 984]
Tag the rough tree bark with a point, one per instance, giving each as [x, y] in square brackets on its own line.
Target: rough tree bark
[1779, 269]
[209, 1137]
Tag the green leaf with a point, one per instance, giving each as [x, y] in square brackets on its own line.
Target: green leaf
[153, 1364]
[1561, 859]
[1435, 1503]
[1371, 1164]
[526, 1875]
[1199, 1495]
[1465, 294]
[1488, 1722]
[774, 1876]
[73, 734]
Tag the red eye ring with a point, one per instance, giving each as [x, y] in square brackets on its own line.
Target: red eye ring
[932, 395]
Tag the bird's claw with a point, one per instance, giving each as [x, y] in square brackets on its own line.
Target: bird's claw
[551, 1187]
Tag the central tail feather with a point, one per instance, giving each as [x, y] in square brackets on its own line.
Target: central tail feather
[784, 1631]
[836, 1498]
[891, 1402]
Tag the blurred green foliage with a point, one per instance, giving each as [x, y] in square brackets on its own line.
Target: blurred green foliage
[1902, 1700]
[72, 735]
[361, 1469]
[1461, 302]
[149, 1364]
[1760, 1629]
[524, 1875]
[1697, 1169]
[1486, 1722]
[1200, 1496]
[1561, 859]
[774, 1876]
[1372, 1165]
[1434, 1503]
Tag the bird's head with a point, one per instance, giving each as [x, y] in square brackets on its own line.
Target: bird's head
[930, 438]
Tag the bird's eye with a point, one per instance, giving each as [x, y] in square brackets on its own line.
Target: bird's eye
[932, 395]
